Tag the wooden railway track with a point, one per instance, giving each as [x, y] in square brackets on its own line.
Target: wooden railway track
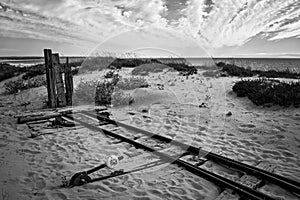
[247, 187]
[244, 188]
[283, 182]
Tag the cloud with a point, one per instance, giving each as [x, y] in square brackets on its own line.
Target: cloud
[233, 23]
[214, 24]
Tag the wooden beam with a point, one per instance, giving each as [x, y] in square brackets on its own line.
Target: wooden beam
[43, 115]
[22, 120]
[68, 83]
[60, 89]
[247, 180]
[50, 78]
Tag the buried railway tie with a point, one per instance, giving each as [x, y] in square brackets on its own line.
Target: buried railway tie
[219, 180]
[281, 181]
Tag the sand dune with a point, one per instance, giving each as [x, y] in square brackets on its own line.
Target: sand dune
[32, 168]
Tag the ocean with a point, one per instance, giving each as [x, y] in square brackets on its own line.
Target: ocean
[29, 61]
[278, 64]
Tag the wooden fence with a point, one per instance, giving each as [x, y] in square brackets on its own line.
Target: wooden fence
[59, 88]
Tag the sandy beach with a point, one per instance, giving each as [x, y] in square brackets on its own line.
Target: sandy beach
[193, 110]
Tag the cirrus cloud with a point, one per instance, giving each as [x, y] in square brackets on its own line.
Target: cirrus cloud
[214, 24]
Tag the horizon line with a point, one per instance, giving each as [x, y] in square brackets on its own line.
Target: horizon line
[157, 57]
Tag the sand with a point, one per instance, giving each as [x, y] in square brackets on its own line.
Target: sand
[32, 168]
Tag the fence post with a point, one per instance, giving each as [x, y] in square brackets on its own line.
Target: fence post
[50, 77]
[61, 97]
[68, 82]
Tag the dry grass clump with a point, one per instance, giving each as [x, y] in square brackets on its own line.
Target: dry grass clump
[108, 92]
[267, 91]
[94, 92]
[101, 93]
[132, 83]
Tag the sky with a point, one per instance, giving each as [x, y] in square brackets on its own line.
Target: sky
[190, 28]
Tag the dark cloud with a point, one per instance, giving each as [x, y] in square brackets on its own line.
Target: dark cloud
[175, 8]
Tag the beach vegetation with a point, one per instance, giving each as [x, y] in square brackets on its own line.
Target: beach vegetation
[183, 68]
[14, 86]
[109, 74]
[132, 83]
[264, 91]
[33, 71]
[131, 62]
[111, 91]
[8, 71]
[233, 70]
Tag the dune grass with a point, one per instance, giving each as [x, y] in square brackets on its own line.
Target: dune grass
[111, 91]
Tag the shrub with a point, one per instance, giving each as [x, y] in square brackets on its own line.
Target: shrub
[12, 87]
[34, 71]
[184, 69]
[266, 91]
[15, 86]
[36, 82]
[102, 93]
[109, 74]
[131, 62]
[234, 70]
[8, 71]
[85, 91]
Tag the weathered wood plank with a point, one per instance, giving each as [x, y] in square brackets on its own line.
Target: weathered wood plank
[47, 114]
[68, 83]
[60, 89]
[228, 194]
[22, 120]
[50, 78]
[247, 180]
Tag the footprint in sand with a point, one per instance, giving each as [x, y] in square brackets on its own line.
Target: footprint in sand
[247, 126]
[177, 190]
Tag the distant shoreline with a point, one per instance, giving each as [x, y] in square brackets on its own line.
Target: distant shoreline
[41, 57]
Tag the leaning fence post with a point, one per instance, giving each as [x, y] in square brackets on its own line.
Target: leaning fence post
[68, 82]
[61, 97]
[50, 78]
